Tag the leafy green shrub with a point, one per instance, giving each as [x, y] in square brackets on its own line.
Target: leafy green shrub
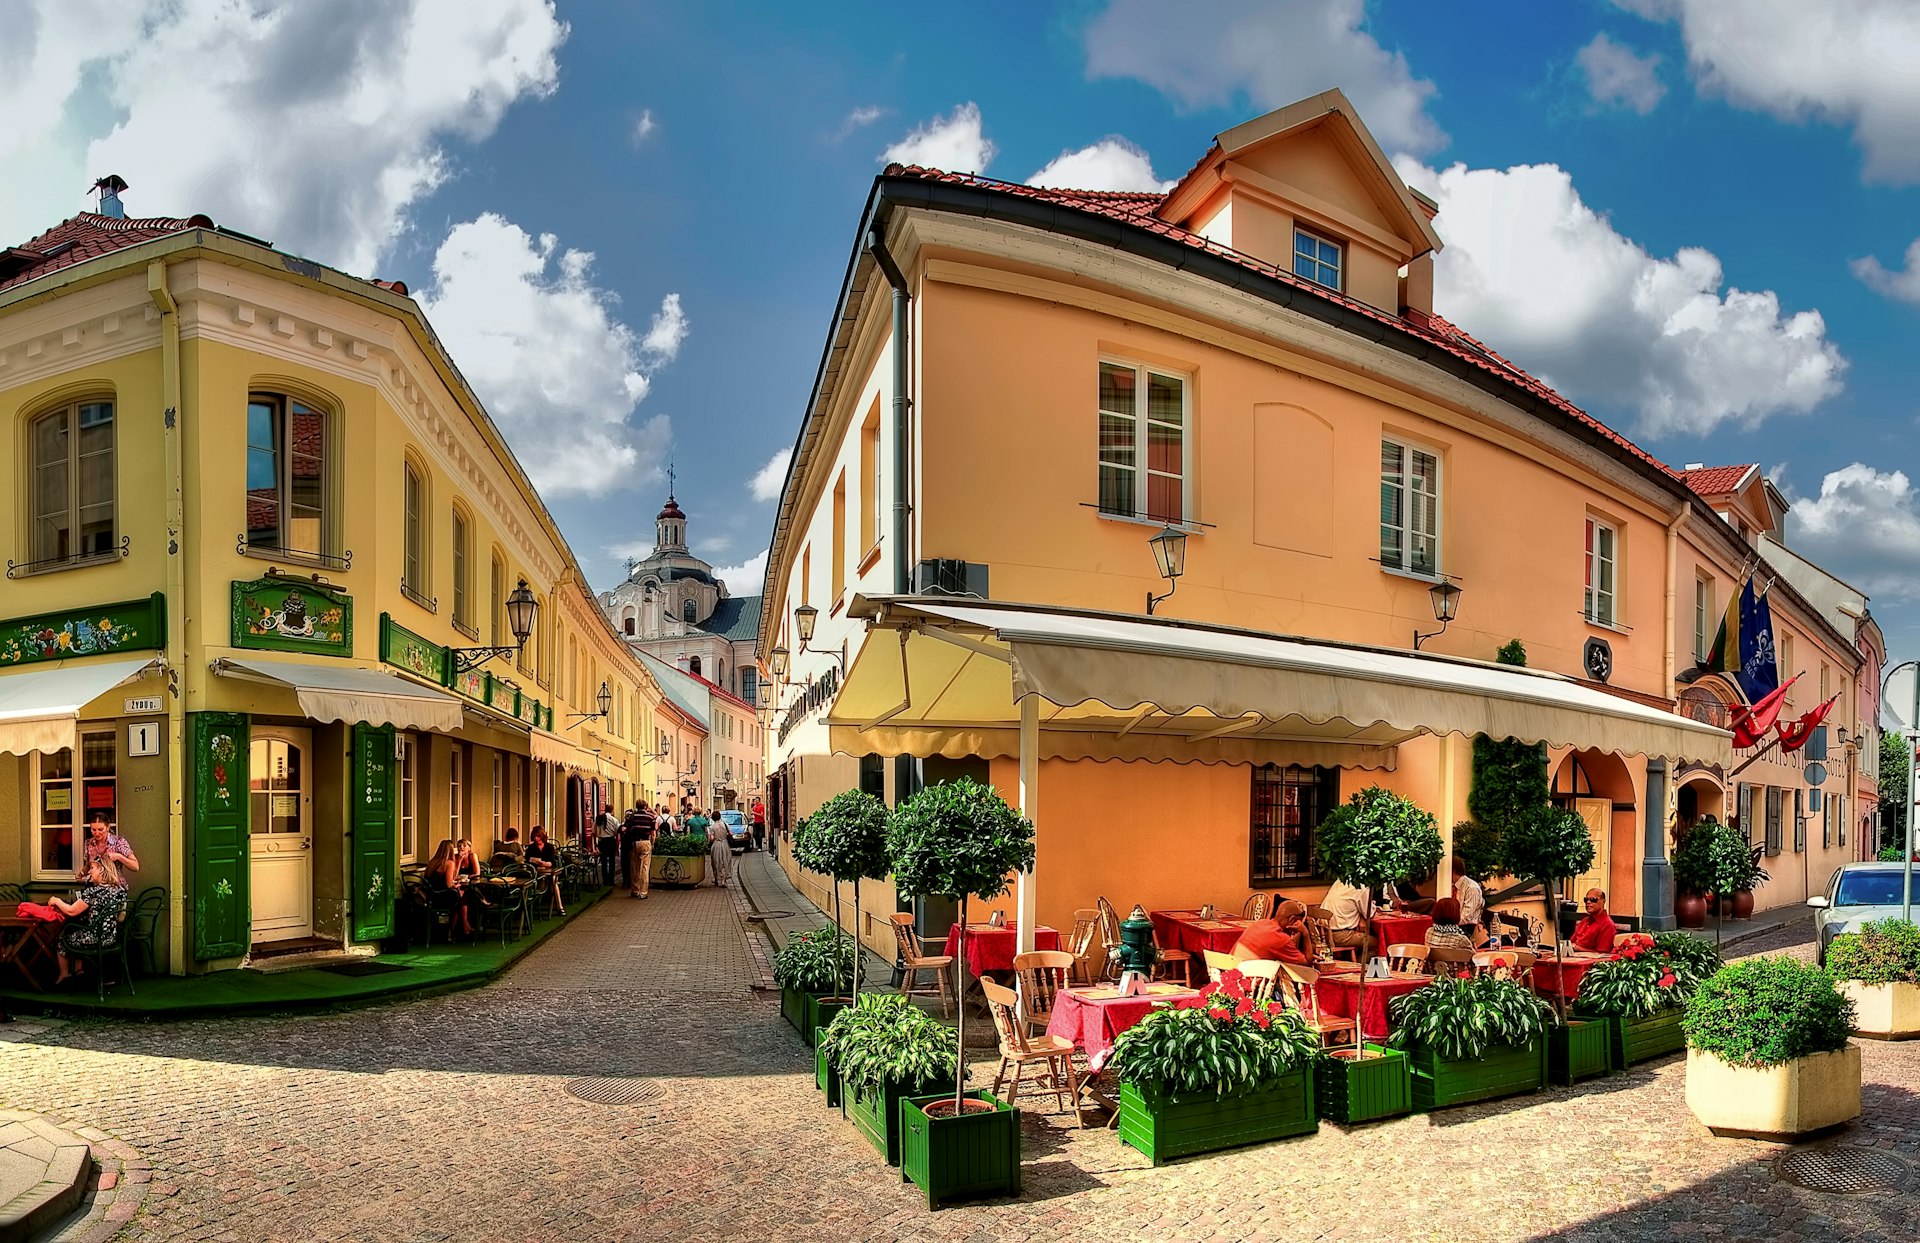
[680, 845]
[1891, 854]
[1377, 837]
[885, 1038]
[846, 838]
[814, 962]
[1460, 1019]
[1886, 951]
[1713, 858]
[1645, 976]
[1225, 1042]
[956, 839]
[1480, 847]
[1690, 958]
[1767, 1012]
[1547, 844]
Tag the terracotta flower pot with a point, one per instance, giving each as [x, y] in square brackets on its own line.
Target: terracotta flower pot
[1743, 904]
[1690, 909]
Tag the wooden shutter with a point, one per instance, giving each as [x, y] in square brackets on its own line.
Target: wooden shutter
[222, 908]
[373, 832]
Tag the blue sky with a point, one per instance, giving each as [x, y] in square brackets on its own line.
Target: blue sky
[630, 220]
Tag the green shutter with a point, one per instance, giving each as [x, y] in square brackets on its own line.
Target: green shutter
[373, 832]
[222, 912]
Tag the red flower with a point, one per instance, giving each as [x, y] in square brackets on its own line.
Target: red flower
[1245, 1007]
[1667, 980]
[1264, 1018]
[1232, 979]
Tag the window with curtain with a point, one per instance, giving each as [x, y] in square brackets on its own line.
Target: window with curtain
[1602, 572]
[71, 485]
[1144, 423]
[1288, 805]
[1409, 508]
[286, 475]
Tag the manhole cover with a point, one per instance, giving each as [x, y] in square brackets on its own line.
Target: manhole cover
[764, 916]
[617, 1091]
[1844, 1169]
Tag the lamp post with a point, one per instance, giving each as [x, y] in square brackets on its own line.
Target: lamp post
[1170, 558]
[804, 618]
[603, 701]
[1446, 603]
[522, 611]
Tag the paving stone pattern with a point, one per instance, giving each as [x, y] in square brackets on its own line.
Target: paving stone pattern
[447, 1118]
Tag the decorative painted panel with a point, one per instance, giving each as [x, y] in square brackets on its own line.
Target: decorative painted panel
[131, 625]
[528, 709]
[373, 832]
[222, 904]
[407, 650]
[279, 616]
[501, 696]
[472, 683]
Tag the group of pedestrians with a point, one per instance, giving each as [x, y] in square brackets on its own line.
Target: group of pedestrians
[625, 845]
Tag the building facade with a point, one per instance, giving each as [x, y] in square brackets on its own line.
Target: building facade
[266, 561]
[1024, 386]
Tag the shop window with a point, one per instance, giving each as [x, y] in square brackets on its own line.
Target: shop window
[65, 798]
[1288, 805]
[286, 475]
[71, 487]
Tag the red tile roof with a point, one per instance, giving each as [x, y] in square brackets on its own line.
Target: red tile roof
[1137, 209]
[1716, 480]
[85, 236]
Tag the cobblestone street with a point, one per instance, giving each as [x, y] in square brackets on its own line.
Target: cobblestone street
[448, 1118]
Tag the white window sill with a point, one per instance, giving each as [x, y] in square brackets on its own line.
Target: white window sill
[1415, 575]
[1616, 627]
[1187, 525]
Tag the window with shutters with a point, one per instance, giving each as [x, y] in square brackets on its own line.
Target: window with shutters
[1774, 811]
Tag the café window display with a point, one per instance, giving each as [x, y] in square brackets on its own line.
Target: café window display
[66, 796]
[1288, 806]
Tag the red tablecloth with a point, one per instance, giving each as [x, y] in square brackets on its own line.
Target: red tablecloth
[1094, 1023]
[1549, 975]
[1336, 997]
[1400, 930]
[992, 949]
[1185, 930]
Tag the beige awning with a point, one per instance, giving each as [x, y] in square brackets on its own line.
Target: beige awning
[553, 749]
[348, 693]
[40, 707]
[948, 678]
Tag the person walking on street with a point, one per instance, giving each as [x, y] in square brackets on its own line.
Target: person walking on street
[640, 825]
[759, 818]
[607, 842]
[719, 850]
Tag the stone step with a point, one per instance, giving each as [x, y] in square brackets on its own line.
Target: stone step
[43, 1175]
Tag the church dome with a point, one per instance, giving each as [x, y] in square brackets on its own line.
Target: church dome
[672, 510]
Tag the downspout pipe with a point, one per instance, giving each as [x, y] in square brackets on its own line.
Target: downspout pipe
[163, 301]
[902, 406]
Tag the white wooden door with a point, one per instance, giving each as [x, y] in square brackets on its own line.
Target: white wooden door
[1598, 813]
[281, 834]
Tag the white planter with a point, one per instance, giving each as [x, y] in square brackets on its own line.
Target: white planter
[1884, 1011]
[1774, 1102]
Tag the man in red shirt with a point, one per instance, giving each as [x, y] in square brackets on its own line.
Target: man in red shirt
[1280, 939]
[1595, 931]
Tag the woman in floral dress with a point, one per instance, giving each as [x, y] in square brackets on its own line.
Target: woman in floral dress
[93, 919]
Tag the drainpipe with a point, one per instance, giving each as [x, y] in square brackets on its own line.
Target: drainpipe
[1656, 872]
[176, 617]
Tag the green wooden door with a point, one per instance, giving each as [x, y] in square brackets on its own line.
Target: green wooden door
[373, 832]
[222, 913]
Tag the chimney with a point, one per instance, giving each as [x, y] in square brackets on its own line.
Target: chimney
[109, 187]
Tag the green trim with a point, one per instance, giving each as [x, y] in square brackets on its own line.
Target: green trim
[221, 746]
[261, 618]
[130, 625]
[375, 879]
[502, 697]
[406, 650]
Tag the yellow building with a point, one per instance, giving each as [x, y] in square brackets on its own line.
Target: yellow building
[1025, 388]
[266, 560]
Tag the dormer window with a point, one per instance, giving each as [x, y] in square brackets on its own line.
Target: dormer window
[1317, 259]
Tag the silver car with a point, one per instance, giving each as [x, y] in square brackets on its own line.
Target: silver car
[1859, 893]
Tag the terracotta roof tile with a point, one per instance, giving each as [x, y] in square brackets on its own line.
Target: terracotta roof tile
[1137, 209]
[83, 237]
[1716, 480]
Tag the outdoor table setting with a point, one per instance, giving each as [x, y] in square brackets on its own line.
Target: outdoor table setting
[1193, 932]
[1093, 1018]
[992, 949]
[1337, 992]
[29, 946]
[1400, 929]
[1551, 976]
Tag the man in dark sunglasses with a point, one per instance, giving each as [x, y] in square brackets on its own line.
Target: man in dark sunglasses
[1595, 931]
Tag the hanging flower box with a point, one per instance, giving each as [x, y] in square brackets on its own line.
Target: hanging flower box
[1637, 1040]
[876, 1113]
[1350, 1090]
[1579, 1050]
[1167, 1125]
[960, 1156]
[1503, 1070]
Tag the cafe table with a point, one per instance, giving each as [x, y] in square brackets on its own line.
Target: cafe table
[1563, 978]
[1093, 1018]
[1337, 995]
[992, 949]
[1405, 929]
[1195, 933]
[29, 947]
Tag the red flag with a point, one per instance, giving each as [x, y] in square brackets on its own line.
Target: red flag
[1794, 734]
[1750, 725]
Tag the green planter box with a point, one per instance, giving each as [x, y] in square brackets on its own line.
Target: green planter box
[820, 1012]
[962, 1157]
[1504, 1071]
[1637, 1040]
[877, 1114]
[1164, 1127]
[826, 1077]
[793, 1008]
[1580, 1050]
[1349, 1090]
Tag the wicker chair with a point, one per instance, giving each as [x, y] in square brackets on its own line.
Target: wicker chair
[913, 962]
[1041, 975]
[1018, 1051]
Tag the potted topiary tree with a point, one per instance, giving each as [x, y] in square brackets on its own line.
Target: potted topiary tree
[847, 840]
[1755, 875]
[1549, 845]
[1217, 1072]
[1878, 969]
[1472, 1039]
[1721, 860]
[1375, 838]
[809, 966]
[1768, 1055]
[959, 839]
[887, 1049]
[1639, 995]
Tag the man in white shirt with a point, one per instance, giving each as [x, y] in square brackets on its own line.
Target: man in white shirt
[1349, 912]
[1466, 890]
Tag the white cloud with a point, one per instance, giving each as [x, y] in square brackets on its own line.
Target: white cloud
[1618, 78]
[744, 579]
[1846, 64]
[1865, 527]
[1113, 163]
[317, 126]
[859, 118]
[1540, 276]
[643, 126]
[955, 143]
[1267, 52]
[544, 348]
[766, 485]
[667, 332]
[1901, 283]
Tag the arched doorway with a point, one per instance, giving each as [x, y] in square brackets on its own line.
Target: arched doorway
[1598, 787]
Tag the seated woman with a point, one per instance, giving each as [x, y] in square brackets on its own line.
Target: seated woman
[1447, 931]
[1280, 939]
[544, 857]
[465, 862]
[445, 886]
[93, 919]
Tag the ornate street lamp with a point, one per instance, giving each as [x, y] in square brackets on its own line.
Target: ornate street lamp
[803, 619]
[522, 611]
[779, 662]
[604, 701]
[1446, 602]
[1170, 558]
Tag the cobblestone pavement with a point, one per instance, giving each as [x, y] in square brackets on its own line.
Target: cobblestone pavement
[448, 1118]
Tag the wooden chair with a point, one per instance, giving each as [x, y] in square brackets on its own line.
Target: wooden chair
[1515, 965]
[1084, 944]
[1409, 958]
[1262, 976]
[1217, 963]
[1109, 940]
[1167, 961]
[1018, 1051]
[1296, 985]
[1259, 906]
[1041, 975]
[913, 962]
[1320, 932]
[1444, 961]
[1621, 938]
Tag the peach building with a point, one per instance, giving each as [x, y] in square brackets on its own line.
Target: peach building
[1023, 387]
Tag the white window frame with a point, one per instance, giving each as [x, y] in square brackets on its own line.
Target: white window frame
[68, 416]
[407, 815]
[1703, 628]
[1339, 264]
[1407, 448]
[499, 794]
[1592, 561]
[1139, 468]
[78, 812]
[282, 406]
[456, 788]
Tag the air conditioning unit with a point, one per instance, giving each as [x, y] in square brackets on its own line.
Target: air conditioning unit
[946, 576]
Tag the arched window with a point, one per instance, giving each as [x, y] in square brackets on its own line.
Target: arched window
[693, 665]
[499, 582]
[462, 569]
[687, 609]
[626, 623]
[72, 482]
[413, 570]
[286, 474]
